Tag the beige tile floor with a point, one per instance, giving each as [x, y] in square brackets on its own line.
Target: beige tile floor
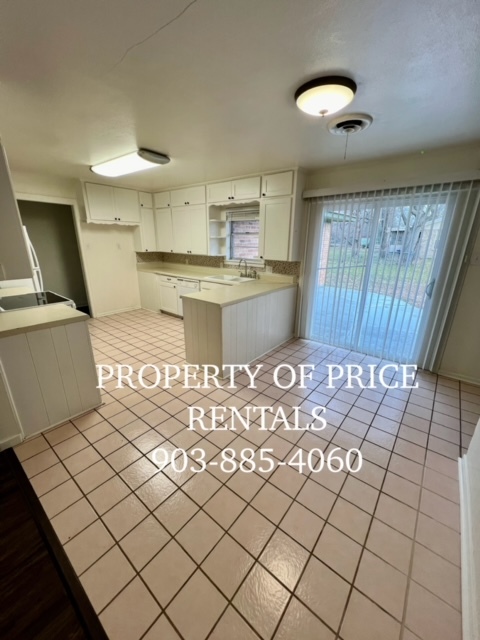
[316, 556]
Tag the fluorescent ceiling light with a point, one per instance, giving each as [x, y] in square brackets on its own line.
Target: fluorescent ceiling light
[136, 161]
[324, 96]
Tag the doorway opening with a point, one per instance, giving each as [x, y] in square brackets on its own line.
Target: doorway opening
[51, 230]
[377, 268]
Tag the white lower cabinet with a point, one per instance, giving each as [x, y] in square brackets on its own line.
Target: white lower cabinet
[149, 291]
[168, 294]
[50, 376]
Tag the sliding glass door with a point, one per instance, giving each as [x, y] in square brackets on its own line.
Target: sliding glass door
[377, 260]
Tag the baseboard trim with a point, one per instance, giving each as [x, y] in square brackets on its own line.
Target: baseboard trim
[114, 312]
[470, 595]
[457, 376]
[8, 443]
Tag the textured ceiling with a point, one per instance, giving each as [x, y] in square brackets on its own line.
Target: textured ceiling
[211, 83]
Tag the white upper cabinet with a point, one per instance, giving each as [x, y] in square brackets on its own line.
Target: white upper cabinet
[100, 203]
[275, 220]
[219, 192]
[111, 204]
[187, 196]
[144, 237]
[242, 189]
[145, 200]
[190, 229]
[277, 184]
[162, 199]
[126, 205]
[164, 230]
[246, 188]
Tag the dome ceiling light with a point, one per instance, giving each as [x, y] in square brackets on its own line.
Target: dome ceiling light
[132, 162]
[324, 96]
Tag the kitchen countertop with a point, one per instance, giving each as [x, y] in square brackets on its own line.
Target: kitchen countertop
[15, 291]
[225, 296]
[45, 317]
[204, 273]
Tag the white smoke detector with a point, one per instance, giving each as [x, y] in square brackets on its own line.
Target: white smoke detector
[349, 124]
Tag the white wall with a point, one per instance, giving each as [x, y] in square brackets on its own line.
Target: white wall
[462, 353]
[108, 252]
[441, 164]
[461, 358]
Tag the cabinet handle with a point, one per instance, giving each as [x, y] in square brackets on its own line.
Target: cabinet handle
[264, 194]
[261, 257]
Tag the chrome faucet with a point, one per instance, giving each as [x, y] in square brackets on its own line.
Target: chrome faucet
[245, 274]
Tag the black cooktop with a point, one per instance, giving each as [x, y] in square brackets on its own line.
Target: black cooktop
[29, 300]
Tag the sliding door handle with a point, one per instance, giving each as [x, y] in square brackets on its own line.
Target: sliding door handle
[429, 289]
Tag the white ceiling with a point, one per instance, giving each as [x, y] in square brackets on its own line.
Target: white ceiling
[82, 81]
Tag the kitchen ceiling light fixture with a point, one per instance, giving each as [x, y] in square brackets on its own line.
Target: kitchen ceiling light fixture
[130, 163]
[324, 96]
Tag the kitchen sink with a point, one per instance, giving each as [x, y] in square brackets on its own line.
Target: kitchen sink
[227, 278]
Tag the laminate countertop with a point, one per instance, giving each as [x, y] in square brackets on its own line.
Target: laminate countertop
[45, 317]
[204, 273]
[225, 296]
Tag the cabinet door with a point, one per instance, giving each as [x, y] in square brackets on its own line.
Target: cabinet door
[190, 195]
[219, 192]
[277, 184]
[181, 229]
[275, 228]
[168, 297]
[162, 199]
[145, 234]
[164, 230]
[100, 202]
[126, 205]
[145, 199]
[246, 188]
[197, 222]
[149, 291]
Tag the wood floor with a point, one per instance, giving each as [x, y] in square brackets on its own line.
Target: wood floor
[40, 596]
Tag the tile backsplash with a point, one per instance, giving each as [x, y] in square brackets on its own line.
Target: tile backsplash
[280, 267]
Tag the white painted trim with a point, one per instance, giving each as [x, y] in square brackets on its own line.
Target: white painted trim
[10, 442]
[72, 202]
[470, 595]
[458, 376]
[112, 313]
[392, 184]
[57, 424]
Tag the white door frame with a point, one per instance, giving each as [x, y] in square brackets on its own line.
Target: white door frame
[76, 223]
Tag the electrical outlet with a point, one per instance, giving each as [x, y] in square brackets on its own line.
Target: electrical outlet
[475, 259]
